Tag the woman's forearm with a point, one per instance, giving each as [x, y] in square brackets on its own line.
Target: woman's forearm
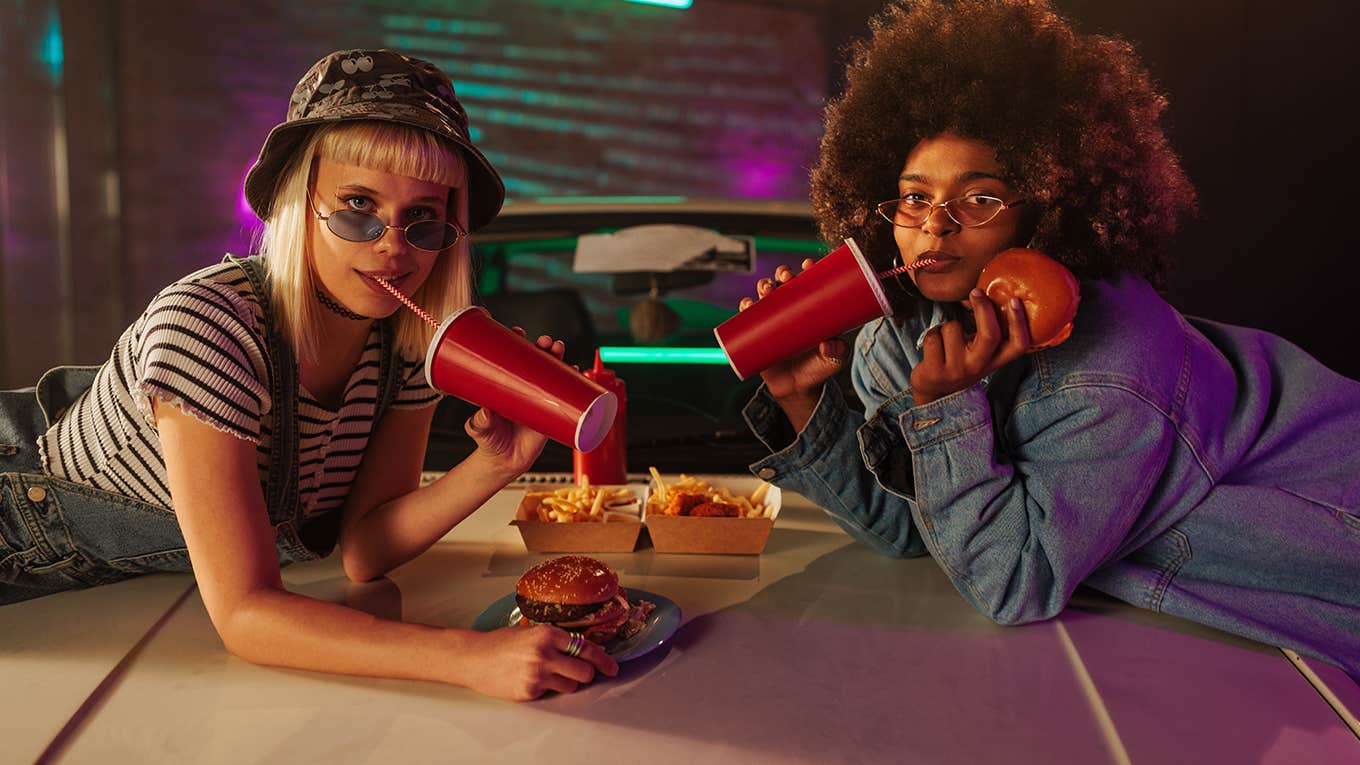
[283, 629]
[404, 527]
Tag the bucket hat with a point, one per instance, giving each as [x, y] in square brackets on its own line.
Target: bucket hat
[351, 85]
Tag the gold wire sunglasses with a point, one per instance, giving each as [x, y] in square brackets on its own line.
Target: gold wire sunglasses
[968, 211]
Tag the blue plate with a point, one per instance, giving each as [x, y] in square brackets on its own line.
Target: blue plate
[661, 623]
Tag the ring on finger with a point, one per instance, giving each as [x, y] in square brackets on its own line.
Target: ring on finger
[574, 645]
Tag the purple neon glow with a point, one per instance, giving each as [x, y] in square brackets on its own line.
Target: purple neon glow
[757, 177]
[244, 214]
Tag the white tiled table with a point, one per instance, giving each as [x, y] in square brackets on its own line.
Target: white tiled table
[57, 652]
[817, 651]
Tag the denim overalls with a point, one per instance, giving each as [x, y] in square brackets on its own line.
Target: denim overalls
[59, 535]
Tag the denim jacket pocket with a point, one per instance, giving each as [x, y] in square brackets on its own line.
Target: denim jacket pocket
[1348, 517]
[1350, 521]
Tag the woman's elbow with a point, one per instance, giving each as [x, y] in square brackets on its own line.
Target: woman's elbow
[891, 543]
[358, 567]
[1020, 610]
[242, 632]
[1015, 618]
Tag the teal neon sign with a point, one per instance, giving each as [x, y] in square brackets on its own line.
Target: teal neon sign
[619, 354]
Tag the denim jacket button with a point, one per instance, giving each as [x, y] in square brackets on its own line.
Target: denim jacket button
[765, 473]
[37, 493]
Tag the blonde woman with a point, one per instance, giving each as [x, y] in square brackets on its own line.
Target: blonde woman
[264, 409]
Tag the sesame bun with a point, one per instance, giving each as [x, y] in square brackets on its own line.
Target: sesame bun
[569, 580]
[1047, 289]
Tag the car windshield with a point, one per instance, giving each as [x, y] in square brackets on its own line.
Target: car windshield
[571, 271]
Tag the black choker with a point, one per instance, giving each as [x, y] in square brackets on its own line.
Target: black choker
[330, 303]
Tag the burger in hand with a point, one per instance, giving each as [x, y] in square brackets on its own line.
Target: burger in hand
[579, 594]
[1045, 287]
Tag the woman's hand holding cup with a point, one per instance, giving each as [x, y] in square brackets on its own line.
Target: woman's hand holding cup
[512, 445]
[796, 384]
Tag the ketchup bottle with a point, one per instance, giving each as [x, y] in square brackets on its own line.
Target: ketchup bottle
[606, 464]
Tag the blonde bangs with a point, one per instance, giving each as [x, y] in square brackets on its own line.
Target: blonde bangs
[396, 149]
[389, 148]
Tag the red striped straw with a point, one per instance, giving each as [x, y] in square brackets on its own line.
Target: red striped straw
[396, 293]
[922, 263]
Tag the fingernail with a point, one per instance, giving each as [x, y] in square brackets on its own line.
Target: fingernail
[977, 294]
[1016, 304]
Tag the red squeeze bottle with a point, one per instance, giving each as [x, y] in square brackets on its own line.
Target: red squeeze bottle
[606, 464]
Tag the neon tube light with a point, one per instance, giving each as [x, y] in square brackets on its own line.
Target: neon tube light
[643, 200]
[658, 355]
[667, 3]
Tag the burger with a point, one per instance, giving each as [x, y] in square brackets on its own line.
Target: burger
[579, 594]
[1047, 289]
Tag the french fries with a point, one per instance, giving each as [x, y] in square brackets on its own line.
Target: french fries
[584, 504]
[747, 507]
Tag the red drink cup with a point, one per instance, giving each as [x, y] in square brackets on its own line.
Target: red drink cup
[483, 362]
[838, 293]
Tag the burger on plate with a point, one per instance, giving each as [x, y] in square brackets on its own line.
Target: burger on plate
[579, 594]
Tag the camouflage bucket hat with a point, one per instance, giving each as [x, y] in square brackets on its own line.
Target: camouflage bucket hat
[382, 85]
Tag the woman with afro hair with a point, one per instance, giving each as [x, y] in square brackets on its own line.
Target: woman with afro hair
[1178, 464]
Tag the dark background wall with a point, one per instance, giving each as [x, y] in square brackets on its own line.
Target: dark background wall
[1262, 96]
[128, 126]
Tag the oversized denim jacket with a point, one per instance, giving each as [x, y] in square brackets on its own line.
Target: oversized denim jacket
[1180, 465]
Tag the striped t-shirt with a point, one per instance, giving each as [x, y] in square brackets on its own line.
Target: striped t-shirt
[199, 345]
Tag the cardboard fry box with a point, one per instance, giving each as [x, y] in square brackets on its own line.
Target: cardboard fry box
[737, 536]
[618, 533]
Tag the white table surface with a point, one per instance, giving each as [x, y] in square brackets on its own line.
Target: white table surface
[816, 651]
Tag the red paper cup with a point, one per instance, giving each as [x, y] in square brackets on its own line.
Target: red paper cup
[483, 362]
[838, 293]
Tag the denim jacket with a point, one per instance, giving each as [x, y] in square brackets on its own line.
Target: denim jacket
[1180, 465]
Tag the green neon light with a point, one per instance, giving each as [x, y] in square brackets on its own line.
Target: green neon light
[682, 4]
[799, 246]
[654, 355]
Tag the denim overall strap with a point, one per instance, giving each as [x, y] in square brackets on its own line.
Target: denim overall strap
[389, 372]
[281, 482]
[296, 537]
[59, 388]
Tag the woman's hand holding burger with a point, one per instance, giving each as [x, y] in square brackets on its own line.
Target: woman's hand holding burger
[1038, 297]
[952, 361]
[796, 384]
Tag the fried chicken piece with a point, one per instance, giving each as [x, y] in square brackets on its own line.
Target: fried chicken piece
[715, 510]
[681, 503]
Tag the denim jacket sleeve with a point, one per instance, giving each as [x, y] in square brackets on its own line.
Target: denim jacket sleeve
[1018, 499]
[1017, 522]
[823, 463]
